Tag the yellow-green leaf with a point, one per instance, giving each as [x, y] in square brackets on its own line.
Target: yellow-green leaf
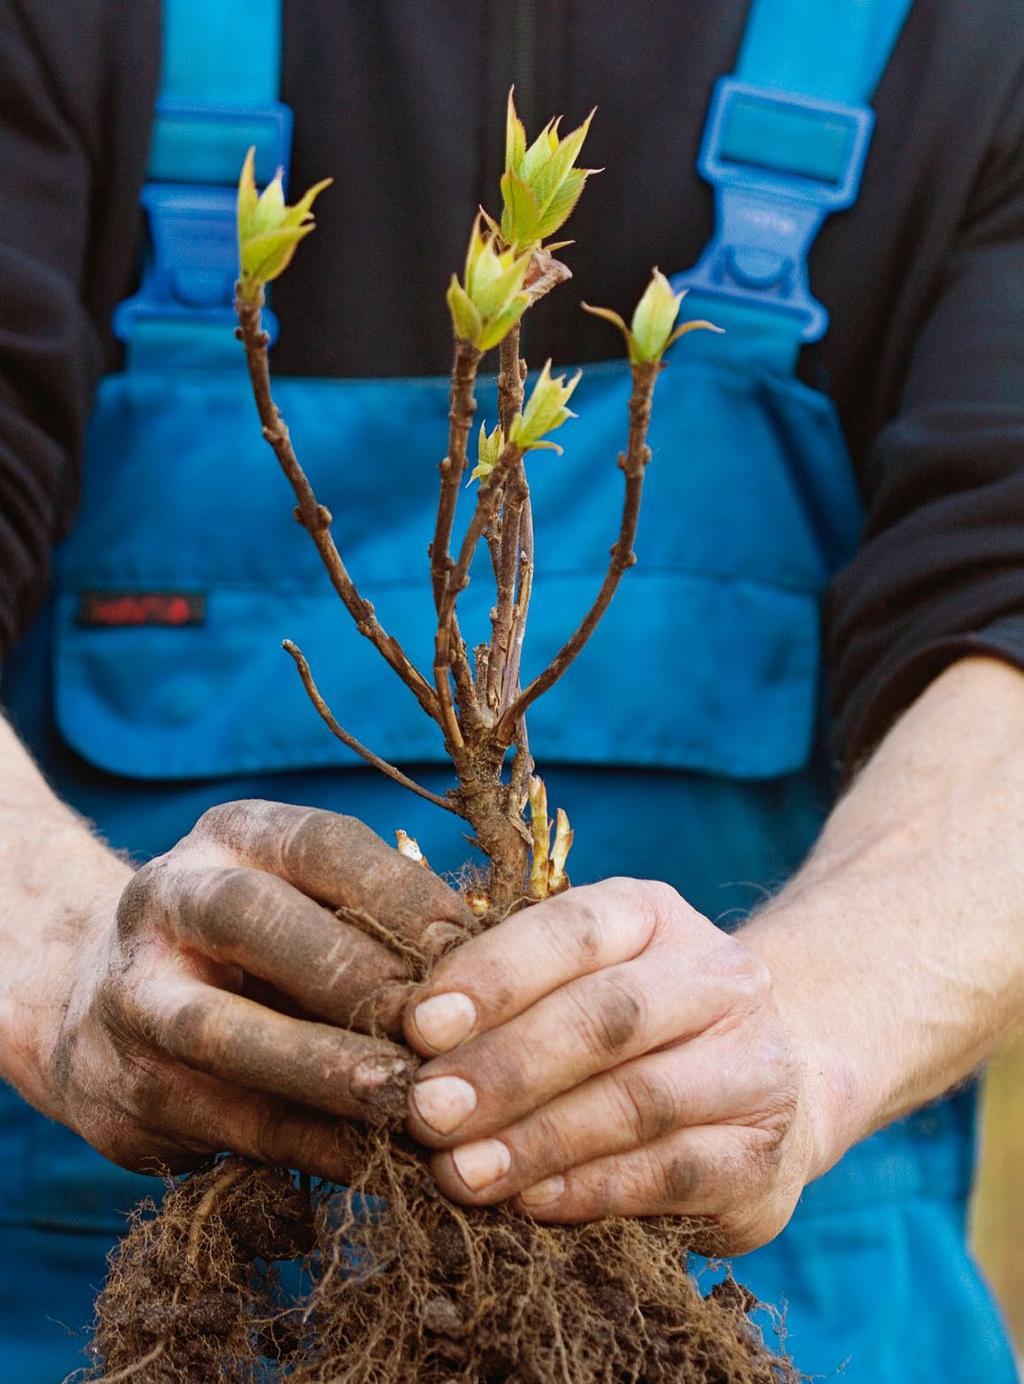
[489, 449]
[248, 197]
[520, 217]
[267, 256]
[539, 152]
[654, 318]
[563, 203]
[545, 409]
[608, 315]
[268, 229]
[549, 177]
[465, 318]
[695, 326]
[297, 215]
[515, 135]
[497, 329]
[270, 210]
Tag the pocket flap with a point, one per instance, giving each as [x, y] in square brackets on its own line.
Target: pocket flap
[686, 671]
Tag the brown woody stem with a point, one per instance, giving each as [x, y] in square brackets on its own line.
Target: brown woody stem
[633, 463]
[357, 746]
[461, 408]
[312, 515]
[450, 655]
[516, 499]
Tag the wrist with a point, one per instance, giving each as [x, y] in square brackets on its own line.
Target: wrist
[833, 1101]
[52, 928]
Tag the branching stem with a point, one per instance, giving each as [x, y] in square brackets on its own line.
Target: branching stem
[633, 463]
[312, 515]
[360, 749]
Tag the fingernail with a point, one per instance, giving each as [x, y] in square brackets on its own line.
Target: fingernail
[444, 1102]
[445, 1020]
[482, 1163]
[548, 1190]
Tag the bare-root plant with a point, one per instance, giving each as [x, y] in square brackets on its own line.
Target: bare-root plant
[406, 1285]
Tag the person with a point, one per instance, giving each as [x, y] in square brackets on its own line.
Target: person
[612, 1051]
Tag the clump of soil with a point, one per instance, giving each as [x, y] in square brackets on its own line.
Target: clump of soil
[408, 1287]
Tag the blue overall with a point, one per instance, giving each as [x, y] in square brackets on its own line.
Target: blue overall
[687, 742]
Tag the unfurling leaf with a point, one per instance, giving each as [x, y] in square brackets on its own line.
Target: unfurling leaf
[490, 301]
[545, 410]
[653, 328]
[268, 230]
[540, 186]
[654, 317]
[489, 449]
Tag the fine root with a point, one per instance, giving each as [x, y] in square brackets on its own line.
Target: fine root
[407, 1286]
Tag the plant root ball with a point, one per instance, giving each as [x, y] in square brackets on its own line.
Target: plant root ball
[407, 1287]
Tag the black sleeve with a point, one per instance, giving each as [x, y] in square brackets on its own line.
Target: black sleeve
[76, 90]
[941, 571]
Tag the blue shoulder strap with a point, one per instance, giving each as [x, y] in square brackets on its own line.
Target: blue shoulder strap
[218, 96]
[784, 146]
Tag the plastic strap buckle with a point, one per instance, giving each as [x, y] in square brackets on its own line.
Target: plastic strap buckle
[779, 163]
[192, 261]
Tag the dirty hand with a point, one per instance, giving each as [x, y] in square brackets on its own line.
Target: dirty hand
[221, 1004]
[611, 1052]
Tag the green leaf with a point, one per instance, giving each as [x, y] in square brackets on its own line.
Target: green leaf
[489, 449]
[654, 319]
[270, 209]
[549, 178]
[539, 152]
[545, 409]
[266, 256]
[297, 215]
[695, 326]
[465, 318]
[563, 203]
[491, 224]
[520, 217]
[515, 135]
[608, 315]
[248, 197]
[497, 329]
[494, 279]
[268, 230]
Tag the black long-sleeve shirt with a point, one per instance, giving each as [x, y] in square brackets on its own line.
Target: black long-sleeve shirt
[403, 102]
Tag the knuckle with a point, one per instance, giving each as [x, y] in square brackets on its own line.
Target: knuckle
[187, 1032]
[224, 820]
[748, 979]
[137, 898]
[317, 842]
[656, 896]
[544, 1144]
[677, 1178]
[656, 903]
[229, 904]
[274, 1133]
[584, 941]
[610, 1013]
[647, 1107]
[113, 1005]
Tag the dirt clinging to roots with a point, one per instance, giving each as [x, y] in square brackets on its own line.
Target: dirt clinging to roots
[408, 1287]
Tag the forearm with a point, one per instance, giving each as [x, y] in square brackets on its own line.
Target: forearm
[898, 951]
[55, 877]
